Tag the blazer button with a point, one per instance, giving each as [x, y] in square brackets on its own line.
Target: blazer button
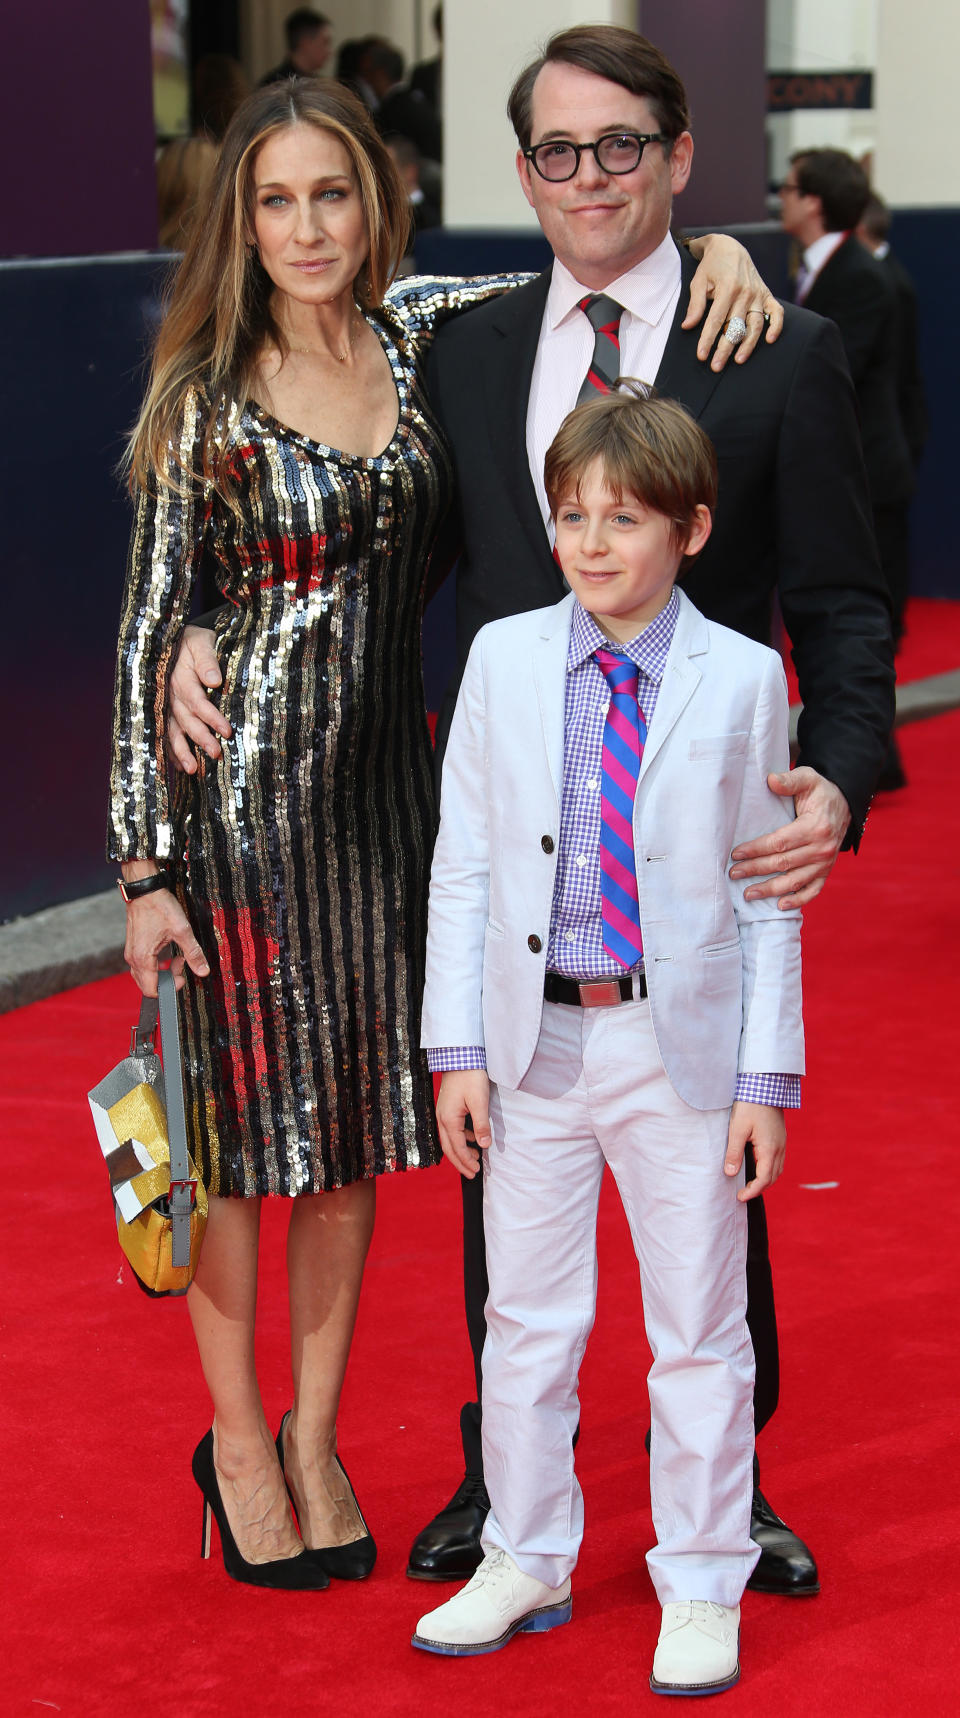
[534, 944]
[546, 842]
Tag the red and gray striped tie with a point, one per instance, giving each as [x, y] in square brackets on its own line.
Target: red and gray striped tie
[603, 315]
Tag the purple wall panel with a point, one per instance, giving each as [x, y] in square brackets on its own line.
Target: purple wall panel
[76, 130]
[718, 47]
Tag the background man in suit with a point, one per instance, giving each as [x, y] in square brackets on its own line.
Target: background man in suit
[873, 230]
[309, 45]
[427, 76]
[793, 520]
[400, 108]
[822, 199]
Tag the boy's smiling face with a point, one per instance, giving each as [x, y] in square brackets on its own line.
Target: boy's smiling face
[620, 558]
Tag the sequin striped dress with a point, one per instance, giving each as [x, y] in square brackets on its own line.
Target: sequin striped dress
[302, 857]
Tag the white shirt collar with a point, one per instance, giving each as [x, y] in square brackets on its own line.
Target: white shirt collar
[648, 290]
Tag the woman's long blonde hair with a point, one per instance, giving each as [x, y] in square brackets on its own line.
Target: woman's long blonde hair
[185, 169]
[218, 318]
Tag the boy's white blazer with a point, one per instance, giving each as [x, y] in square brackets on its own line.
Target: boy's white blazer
[723, 974]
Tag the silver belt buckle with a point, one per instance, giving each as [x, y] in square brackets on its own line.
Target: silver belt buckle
[601, 993]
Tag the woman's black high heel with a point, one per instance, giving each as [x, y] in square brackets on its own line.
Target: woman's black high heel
[301, 1573]
[352, 1562]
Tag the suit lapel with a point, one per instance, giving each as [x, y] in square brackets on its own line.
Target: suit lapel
[681, 375]
[549, 674]
[508, 373]
[681, 677]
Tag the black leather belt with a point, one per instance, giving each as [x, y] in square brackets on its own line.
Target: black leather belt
[594, 992]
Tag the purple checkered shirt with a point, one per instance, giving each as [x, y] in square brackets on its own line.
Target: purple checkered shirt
[575, 947]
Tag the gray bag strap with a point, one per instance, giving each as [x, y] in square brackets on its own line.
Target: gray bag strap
[182, 1188]
[144, 1033]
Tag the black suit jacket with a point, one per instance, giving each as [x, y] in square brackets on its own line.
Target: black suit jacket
[793, 518]
[856, 292]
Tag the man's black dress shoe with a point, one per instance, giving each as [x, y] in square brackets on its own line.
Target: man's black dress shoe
[785, 1565]
[449, 1547]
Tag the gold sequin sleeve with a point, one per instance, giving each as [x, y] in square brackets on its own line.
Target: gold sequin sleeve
[169, 525]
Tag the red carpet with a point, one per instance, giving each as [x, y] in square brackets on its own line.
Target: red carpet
[108, 1609]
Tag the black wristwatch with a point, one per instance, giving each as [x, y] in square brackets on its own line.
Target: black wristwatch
[143, 885]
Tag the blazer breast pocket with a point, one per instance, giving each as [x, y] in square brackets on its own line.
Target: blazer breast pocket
[713, 747]
[721, 969]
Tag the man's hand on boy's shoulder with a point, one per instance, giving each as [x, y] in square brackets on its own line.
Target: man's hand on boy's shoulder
[762, 1126]
[463, 1118]
[797, 859]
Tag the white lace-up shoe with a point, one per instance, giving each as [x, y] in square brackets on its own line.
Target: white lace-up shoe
[499, 1602]
[699, 1648]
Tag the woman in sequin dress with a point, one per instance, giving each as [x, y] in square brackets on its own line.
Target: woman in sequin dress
[285, 435]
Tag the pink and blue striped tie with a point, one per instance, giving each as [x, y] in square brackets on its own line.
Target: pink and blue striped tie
[624, 736]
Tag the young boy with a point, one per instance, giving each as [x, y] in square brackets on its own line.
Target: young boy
[599, 991]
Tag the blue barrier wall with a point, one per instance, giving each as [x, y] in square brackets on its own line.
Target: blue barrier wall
[72, 341]
[927, 241]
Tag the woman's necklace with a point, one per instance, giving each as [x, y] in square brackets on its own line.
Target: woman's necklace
[324, 352]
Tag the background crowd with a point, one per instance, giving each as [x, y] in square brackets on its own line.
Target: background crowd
[405, 105]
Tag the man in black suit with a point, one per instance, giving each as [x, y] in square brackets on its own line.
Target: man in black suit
[822, 199]
[793, 521]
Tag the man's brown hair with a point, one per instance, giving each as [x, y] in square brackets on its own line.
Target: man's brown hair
[620, 56]
[838, 180]
[648, 448]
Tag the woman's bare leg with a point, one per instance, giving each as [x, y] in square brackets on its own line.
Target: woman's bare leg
[327, 1246]
[222, 1300]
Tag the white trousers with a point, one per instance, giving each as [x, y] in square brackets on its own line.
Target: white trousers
[596, 1093]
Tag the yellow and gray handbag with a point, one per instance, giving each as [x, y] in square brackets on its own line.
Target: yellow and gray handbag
[160, 1205]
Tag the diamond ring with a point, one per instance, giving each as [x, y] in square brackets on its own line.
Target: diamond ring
[736, 330]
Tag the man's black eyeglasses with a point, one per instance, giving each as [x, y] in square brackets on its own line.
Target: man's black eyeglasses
[615, 152]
